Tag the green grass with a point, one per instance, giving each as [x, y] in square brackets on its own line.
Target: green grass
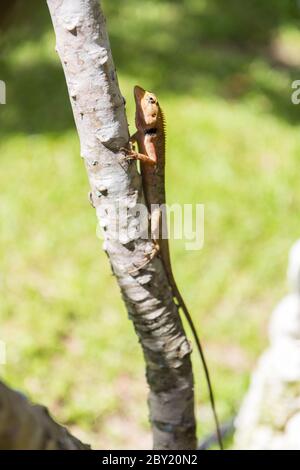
[233, 144]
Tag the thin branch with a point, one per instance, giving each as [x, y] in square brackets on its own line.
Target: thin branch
[83, 46]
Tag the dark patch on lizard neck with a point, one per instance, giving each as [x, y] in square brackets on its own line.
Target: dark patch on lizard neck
[151, 131]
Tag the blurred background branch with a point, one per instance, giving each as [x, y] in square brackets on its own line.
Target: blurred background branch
[7, 13]
[24, 426]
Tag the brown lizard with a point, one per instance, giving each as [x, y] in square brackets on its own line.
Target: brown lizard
[150, 137]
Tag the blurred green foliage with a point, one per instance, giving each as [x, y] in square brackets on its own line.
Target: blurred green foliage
[223, 73]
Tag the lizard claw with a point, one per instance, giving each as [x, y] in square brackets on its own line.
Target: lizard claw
[128, 154]
[149, 257]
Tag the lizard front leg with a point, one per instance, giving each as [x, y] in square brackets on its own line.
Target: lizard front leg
[150, 157]
[131, 154]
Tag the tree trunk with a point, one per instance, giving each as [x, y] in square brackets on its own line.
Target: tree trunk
[83, 46]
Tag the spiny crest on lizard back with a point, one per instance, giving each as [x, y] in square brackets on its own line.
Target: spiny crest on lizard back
[148, 113]
[163, 122]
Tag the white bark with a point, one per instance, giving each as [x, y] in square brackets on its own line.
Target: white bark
[83, 46]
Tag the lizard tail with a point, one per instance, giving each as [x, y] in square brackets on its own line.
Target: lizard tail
[204, 363]
[167, 265]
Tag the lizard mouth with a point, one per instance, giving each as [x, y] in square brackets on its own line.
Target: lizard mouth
[151, 131]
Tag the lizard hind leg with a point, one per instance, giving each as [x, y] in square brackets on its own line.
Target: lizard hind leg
[155, 227]
[149, 257]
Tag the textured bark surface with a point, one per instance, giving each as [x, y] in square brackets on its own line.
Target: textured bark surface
[83, 46]
[24, 426]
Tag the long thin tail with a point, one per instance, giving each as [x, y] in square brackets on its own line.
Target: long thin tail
[205, 367]
[165, 257]
[227, 430]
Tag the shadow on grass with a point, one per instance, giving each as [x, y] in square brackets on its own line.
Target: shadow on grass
[37, 99]
[179, 48]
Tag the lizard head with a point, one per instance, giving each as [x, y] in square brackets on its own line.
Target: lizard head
[147, 109]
